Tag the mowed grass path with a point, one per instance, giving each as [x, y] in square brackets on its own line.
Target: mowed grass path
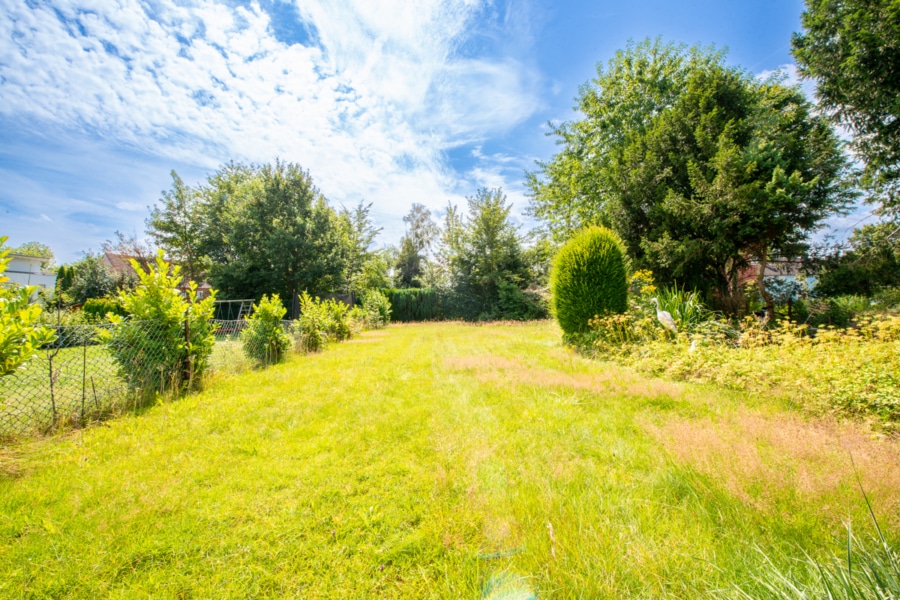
[420, 461]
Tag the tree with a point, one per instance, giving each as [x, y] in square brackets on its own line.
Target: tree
[91, 279]
[176, 225]
[851, 48]
[267, 229]
[421, 234]
[699, 167]
[867, 263]
[485, 252]
[361, 265]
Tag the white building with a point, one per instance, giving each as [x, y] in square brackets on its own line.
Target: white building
[26, 270]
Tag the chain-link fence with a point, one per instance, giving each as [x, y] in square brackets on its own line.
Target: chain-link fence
[89, 373]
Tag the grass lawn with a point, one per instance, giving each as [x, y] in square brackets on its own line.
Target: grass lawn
[425, 461]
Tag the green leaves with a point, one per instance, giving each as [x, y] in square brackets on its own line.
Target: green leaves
[851, 48]
[168, 338]
[20, 334]
[264, 338]
[697, 165]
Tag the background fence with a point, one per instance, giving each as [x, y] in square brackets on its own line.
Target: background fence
[78, 379]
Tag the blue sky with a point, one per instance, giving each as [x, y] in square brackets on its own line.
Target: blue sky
[390, 102]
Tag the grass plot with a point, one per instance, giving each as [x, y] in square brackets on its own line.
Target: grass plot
[434, 461]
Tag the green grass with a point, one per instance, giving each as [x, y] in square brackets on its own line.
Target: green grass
[426, 461]
[86, 387]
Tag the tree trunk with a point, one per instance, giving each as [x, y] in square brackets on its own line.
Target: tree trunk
[760, 281]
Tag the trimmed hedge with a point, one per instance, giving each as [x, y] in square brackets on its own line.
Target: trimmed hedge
[96, 309]
[414, 304]
[589, 278]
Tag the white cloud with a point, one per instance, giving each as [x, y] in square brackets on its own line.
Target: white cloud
[368, 109]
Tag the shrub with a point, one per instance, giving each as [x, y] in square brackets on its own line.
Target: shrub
[588, 279]
[377, 308]
[312, 330]
[264, 338]
[20, 333]
[96, 309]
[166, 341]
[338, 322]
[413, 304]
[520, 305]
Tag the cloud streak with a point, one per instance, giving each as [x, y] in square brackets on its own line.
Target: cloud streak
[369, 102]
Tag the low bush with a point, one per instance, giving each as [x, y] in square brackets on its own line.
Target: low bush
[96, 309]
[313, 324]
[264, 338]
[521, 305]
[589, 279]
[850, 372]
[377, 308]
[166, 341]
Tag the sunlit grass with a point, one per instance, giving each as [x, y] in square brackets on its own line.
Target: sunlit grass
[423, 461]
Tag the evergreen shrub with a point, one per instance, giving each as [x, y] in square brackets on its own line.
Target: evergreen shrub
[414, 304]
[589, 278]
[264, 338]
[377, 308]
[96, 309]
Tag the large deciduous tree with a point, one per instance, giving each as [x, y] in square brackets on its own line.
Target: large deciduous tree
[698, 166]
[851, 48]
[421, 234]
[176, 225]
[261, 230]
[270, 230]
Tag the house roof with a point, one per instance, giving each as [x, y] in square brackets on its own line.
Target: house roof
[120, 264]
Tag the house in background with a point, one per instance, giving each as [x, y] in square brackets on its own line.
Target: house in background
[782, 271]
[26, 270]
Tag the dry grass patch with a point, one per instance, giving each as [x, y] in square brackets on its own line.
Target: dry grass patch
[760, 458]
[497, 369]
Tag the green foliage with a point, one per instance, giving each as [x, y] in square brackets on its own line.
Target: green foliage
[850, 371]
[36, 249]
[851, 48]
[869, 262]
[268, 229]
[414, 304]
[364, 269]
[483, 252]
[521, 305]
[167, 339]
[20, 333]
[337, 323]
[264, 338]
[377, 308]
[96, 309]
[686, 307]
[697, 165]
[65, 276]
[176, 225]
[91, 279]
[864, 569]
[321, 322]
[421, 234]
[588, 279]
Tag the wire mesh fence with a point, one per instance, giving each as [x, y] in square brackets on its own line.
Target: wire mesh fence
[88, 373]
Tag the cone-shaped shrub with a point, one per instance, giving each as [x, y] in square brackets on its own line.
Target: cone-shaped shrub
[588, 278]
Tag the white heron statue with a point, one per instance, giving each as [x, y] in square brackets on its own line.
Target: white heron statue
[664, 317]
